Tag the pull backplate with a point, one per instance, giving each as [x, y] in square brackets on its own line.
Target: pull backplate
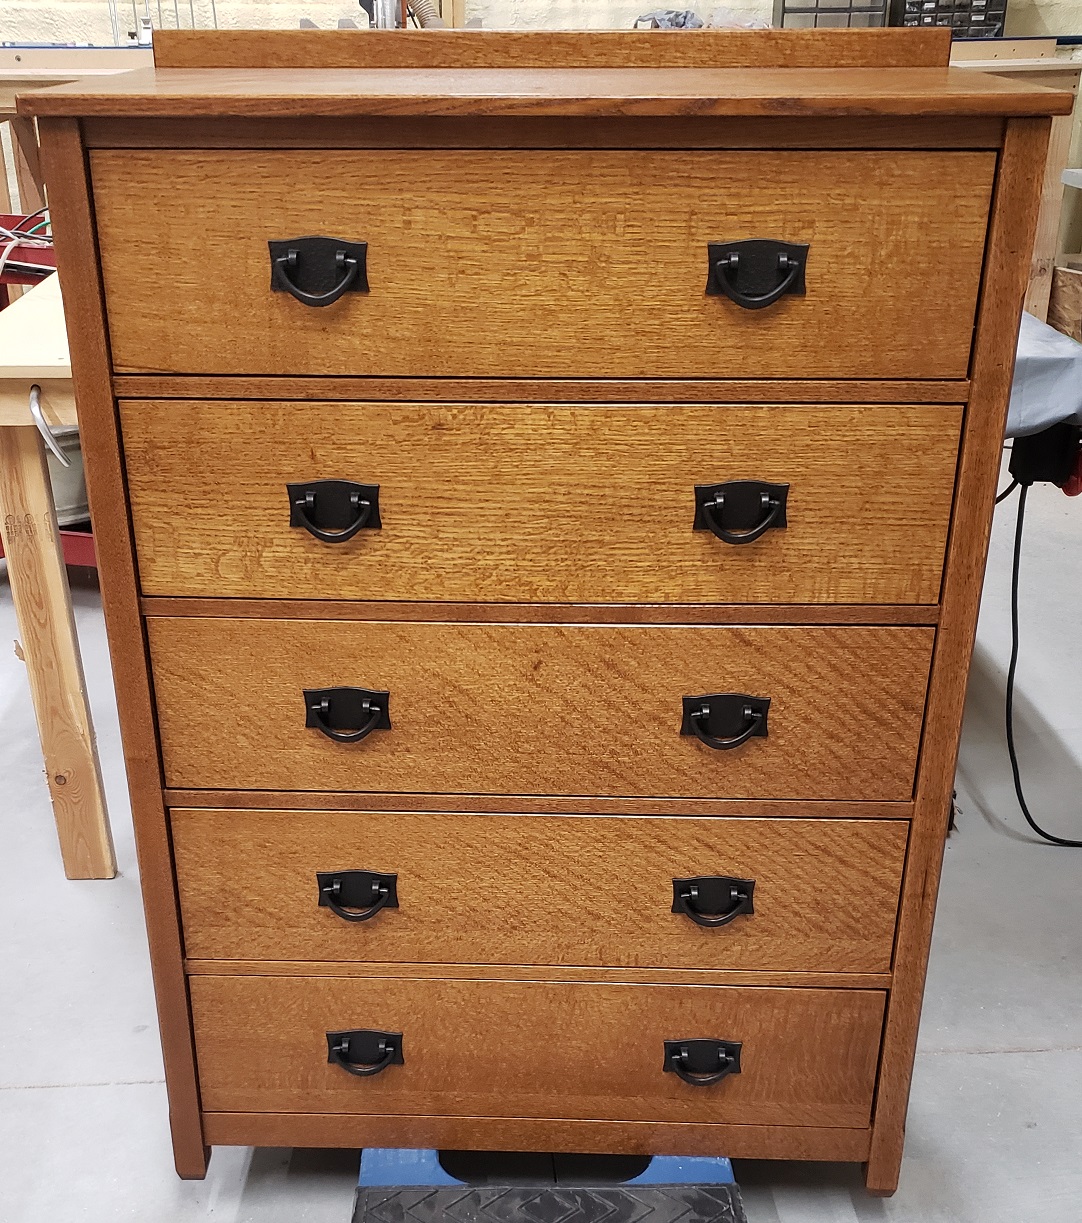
[702, 1062]
[347, 714]
[365, 1052]
[317, 271]
[357, 895]
[739, 511]
[756, 272]
[334, 510]
[713, 900]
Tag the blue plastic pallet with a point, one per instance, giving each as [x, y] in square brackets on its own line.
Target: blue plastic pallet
[393, 1166]
[407, 1186]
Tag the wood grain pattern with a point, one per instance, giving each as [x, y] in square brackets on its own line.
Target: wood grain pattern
[544, 390]
[515, 1134]
[1014, 220]
[540, 709]
[776, 132]
[540, 890]
[541, 503]
[272, 93]
[546, 613]
[67, 176]
[535, 804]
[508, 287]
[54, 666]
[533, 972]
[471, 1049]
[551, 48]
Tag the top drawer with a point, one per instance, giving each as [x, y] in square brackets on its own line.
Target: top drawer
[516, 263]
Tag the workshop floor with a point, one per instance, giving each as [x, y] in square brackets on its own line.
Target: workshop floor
[995, 1124]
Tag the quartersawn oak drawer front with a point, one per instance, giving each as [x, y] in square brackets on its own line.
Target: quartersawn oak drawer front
[785, 895]
[514, 263]
[536, 1049]
[542, 503]
[260, 704]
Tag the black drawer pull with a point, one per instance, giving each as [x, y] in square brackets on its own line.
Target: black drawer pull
[724, 720]
[364, 1052]
[347, 715]
[757, 272]
[317, 271]
[740, 511]
[702, 1062]
[713, 900]
[357, 895]
[334, 510]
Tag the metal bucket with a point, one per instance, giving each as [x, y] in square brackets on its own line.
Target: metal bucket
[69, 483]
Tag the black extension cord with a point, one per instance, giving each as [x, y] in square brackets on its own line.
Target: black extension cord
[1009, 709]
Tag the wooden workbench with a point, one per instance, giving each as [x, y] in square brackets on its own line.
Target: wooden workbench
[23, 68]
[34, 349]
[1034, 61]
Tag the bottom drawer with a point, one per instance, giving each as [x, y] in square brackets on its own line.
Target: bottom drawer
[538, 1049]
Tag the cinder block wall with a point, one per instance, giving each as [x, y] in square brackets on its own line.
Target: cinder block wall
[88, 20]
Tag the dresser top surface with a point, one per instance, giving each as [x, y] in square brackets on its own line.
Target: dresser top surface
[551, 91]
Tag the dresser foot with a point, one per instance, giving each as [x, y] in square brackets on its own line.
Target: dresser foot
[881, 1174]
[191, 1160]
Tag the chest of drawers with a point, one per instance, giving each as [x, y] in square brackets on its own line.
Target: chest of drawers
[542, 486]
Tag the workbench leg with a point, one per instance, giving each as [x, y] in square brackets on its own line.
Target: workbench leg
[1046, 245]
[39, 588]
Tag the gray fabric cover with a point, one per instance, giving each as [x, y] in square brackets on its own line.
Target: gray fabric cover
[1047, 385]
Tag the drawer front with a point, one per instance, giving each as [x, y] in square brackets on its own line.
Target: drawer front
[536, 1049]
[546, 263]
[541, 709]
[526, 503]
[526, 889]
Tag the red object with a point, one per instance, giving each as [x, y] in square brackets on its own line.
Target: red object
[1073, 487]
[43, 257]
[78, 547]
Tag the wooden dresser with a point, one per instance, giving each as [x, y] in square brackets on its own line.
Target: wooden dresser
[542, 486]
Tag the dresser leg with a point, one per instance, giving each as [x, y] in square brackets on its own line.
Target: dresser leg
[882, 1170]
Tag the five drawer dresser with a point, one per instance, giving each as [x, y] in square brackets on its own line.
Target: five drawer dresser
[542, 485]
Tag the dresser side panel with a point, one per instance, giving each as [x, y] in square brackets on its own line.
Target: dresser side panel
[64, 163]
[1010, 243]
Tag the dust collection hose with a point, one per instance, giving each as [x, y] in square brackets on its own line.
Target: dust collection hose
[427, 13]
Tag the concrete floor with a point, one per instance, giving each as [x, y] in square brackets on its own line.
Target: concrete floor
[995, 1124]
